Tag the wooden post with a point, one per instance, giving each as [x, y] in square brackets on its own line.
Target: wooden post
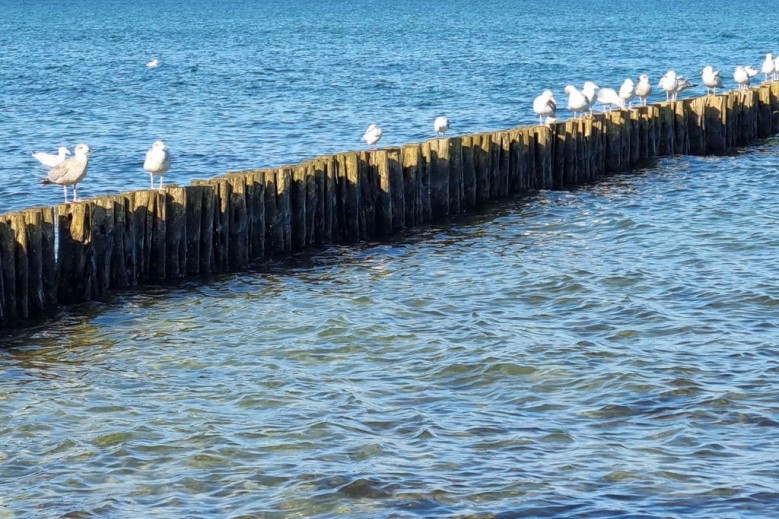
[469, 172]
[175, 232]
[764, 111]
[482, 144]
[439, 178]
[369, 187]
[284, 208]
[456, 188]
[560, 133]
[8, 264]
[411, 158]
[696, 124]
[19, 229]
[516, 161]
[380, 161]
[255, 207]
[774, 87]
[312, 199]
[298, 200]
[544, 154]
[103, 235]
[34, 219]
[424, 179]
[397, 189]
[238, 223]
[222, 215]
[681, 125]
[75, 259]
[666, 131]
[495, 148]
[273, 238]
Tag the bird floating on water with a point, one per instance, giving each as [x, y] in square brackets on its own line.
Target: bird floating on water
[577, 102]
[545, 105]
[70, 171]
[372, 135]
[643, 89]
[153, 63]
[711, 79]
[49, 159]
[769, 67]
[157, 161]
[627, 92]
[441, 125]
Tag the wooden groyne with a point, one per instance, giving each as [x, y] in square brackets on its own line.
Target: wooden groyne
[71, 253]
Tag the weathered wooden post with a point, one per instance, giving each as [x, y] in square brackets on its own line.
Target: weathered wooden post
[482, 144]
[456, 188]
[175, 232]
[75, 258]
[411, 158]
[298, 204]
[544, 154]
[397, 189]
[380, 161]
[103, 235]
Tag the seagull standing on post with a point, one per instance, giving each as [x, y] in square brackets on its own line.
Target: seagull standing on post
[545, 105]
[70, 171]
[769, 67]
[441, 125]
[627, 92]
[157, 161]
[643, 89]
[372, 135]
[49, 159]
[711, 79]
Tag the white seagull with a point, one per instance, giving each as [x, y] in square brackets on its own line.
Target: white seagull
[609, 97]
[441, 124]
[590, 91]
[751, 72]
[741, 77]
[70, 171]
[153, 63]
[157, 161]
[769, 67]
[711, 79]
[776, 68]
[545, 105]
[669, 83]
[643, 88]
[49, 159]
[371, 135]
[682, 84]
[577, 102]
[627, 92]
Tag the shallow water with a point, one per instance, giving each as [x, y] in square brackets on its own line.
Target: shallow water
[602, 352]
[609, 351]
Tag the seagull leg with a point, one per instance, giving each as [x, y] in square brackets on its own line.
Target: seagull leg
[75, 196]
[151, 180]
[160, 182]
[65, 188]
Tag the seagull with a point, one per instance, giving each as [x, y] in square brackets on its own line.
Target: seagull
[157, 161]
[49, 159]
[627, 92]
[577, 102]
[153, 63]
[70, 171]
[440, 125]
[741, 77]
[711, 79]
[590, 91]
[682, 84]
[609, 97]
[776, 68]
[751, 72]
[545, 105]
[643, 89]
[669, 83]
[769, 67]
[371, 135]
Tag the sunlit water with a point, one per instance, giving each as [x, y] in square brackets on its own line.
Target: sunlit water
[610, 351]
[590, 353]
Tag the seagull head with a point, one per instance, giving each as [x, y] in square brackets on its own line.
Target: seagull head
[82, 148]
[62, 150]
[159, 145]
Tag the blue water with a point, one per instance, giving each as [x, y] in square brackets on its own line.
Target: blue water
[247, 84]
[606, 351]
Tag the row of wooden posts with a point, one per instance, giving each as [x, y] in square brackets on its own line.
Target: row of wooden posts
[76, 252]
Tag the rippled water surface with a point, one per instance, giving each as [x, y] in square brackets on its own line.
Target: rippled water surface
[609, 351]
[602, 352]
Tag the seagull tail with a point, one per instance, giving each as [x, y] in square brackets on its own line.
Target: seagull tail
[46, 181]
